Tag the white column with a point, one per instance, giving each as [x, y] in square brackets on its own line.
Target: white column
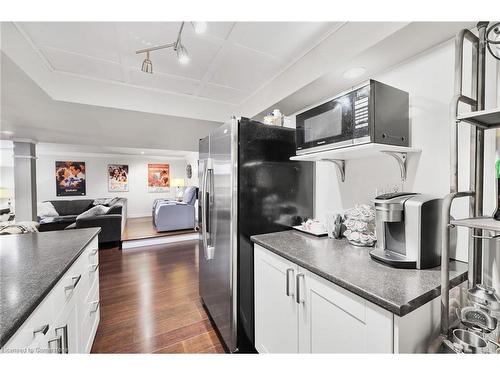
[25, 180]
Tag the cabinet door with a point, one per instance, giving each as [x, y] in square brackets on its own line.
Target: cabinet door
[333, 320]
[276, 325]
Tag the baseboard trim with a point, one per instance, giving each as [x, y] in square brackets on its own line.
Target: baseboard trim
[135, 216]
[131, 244]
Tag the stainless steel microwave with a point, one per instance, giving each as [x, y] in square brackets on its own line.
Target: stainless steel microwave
[374, 112]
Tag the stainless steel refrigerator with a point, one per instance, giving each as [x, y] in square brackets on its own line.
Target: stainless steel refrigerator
[248, 186]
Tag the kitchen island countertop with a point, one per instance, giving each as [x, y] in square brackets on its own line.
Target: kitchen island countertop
[399, 291]
[30, 266]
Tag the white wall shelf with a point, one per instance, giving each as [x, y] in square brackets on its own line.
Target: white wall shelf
[340, 155]
[485, 119]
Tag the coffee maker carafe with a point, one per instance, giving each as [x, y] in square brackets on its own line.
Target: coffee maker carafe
[407, 228]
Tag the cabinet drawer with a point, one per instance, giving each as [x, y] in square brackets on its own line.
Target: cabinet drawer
[71, 284]
[89, 262]
[90, 319]
[38, 324]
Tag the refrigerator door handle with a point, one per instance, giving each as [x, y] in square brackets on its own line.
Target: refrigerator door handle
[207, 248]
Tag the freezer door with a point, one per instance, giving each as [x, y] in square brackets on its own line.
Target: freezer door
[220, 299]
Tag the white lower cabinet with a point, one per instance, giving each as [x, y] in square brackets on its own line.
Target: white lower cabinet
[276, 328]
[332, 320]
[296, 311]
[67, 318]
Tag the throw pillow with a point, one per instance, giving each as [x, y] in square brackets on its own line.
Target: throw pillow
[94, 211]
[46, 209]
[102, 201]
[18, 228]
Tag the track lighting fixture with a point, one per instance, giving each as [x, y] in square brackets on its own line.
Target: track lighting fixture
[178, 47]
[147, 65]
[182, 54]
[199, 27]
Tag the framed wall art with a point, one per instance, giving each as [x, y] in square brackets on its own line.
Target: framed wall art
[117, 177]
[70, 178]
[158, 178]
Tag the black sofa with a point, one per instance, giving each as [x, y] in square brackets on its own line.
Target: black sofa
[112, 223]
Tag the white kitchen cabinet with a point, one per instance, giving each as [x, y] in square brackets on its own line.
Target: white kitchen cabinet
[276, 329]
[312, 315]
[333, 320]
[66, 320]
[317, 316]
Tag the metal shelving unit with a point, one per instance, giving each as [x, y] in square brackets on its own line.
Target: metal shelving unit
[485, 119]
[339, 156]
[481, 121]
[482, 223]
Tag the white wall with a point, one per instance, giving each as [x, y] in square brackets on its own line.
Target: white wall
[6, 164]
[139, 199]
[428, 78]
[6, 169]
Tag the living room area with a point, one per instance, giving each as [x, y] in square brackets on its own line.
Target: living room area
[137, 197]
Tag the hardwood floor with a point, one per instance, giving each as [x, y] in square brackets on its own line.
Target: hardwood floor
[150, 302]
[142, 227]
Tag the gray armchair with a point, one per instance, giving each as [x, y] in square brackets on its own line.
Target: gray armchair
[172, 215]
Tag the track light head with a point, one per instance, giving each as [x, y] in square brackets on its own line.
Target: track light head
[199, 27]
[182, 54]
[147, 65]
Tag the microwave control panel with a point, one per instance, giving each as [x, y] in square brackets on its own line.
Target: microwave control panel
[361, 101]
[361, 107]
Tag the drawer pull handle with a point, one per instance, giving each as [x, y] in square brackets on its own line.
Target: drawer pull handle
[95, 307]
[76, 280]
[43, 329]
[299, 298]
[94, 252]
[64, 338]
[59, 346]
[288, 293]
[94, 267]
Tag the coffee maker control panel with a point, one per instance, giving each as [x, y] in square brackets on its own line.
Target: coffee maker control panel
[393, 195]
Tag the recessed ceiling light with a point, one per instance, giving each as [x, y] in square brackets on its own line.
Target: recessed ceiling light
[142, 152]
[354, 72]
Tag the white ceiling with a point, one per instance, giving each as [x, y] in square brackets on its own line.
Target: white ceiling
[82, 81]
[30, 113]
[412, 39]
[228, 63]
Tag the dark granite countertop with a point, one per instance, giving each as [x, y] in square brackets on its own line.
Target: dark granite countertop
[30, 266]
[399, 291]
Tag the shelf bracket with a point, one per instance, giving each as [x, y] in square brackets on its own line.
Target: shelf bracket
[401, 158]
[340, 166]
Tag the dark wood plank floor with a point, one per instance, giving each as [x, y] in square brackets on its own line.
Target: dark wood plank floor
[142, 227]
[150, 302]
